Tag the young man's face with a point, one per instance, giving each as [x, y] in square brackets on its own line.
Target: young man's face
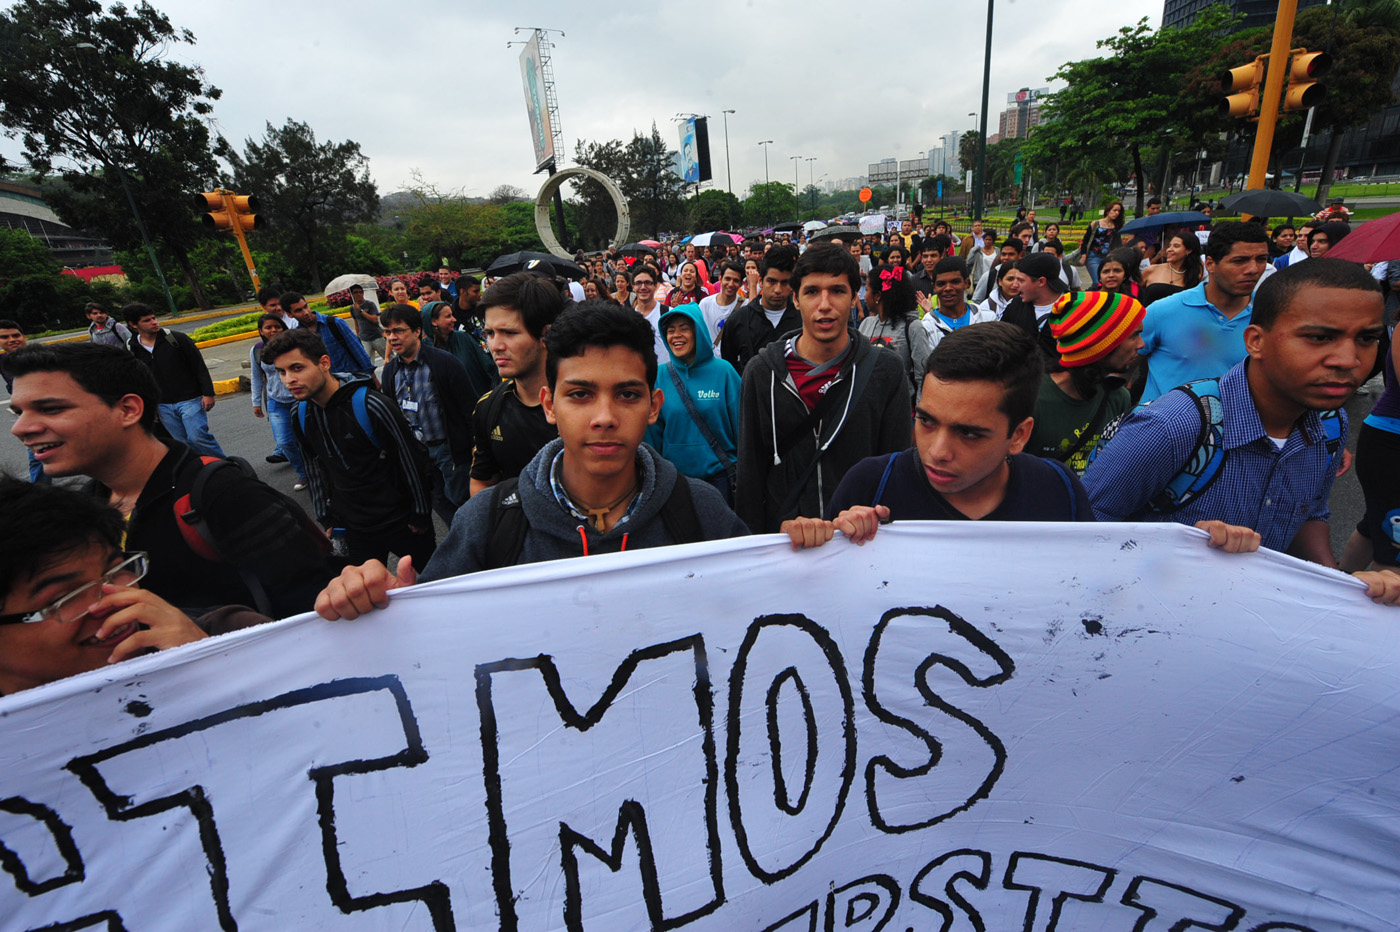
[302, 312]
[729, 283]
[472, 295]
[357, 296]
[930, 258]
[1318, 245]
[1030, 216]
[1025, 236]
[777, 289]
[274, 305]
[304, 377]
[1154, 209]
[1125, 357]
[602, 404]
[1240, 270]
[644, 284]
[444, 277]
[905, 227]
[1321, 348]
[11, 340]
[680, 337]
[402, 339]
[43, 651]
[428, 293]
[825, 300]
[148, 325]
[963, 438]
[1009, 254]
[70, 430]
[97, 316]
[951, 289]
[515, 351]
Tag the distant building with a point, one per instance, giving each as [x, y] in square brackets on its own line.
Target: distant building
[1179, 13]
[22, 207]
[1023, 113]
[952, 150]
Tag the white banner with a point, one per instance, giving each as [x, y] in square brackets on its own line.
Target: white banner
[872, 223]
[960, 726]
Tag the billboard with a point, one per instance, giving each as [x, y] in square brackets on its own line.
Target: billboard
[695, 150]
[541, 131]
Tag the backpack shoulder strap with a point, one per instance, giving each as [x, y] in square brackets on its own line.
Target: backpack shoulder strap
[361, 410]
[884, 479]
[1064, 474]
[678, 514]
[497, 401]
[506, 525]
[190, 519]
[1202, 466]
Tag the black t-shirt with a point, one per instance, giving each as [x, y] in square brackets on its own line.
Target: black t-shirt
[503, 448]
[1037, 490]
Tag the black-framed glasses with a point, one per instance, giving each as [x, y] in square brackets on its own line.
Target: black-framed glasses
[74, 605]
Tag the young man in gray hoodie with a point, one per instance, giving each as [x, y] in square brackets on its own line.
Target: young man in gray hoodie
[596, 489]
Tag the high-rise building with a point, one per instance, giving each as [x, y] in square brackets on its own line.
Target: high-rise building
[1022, 113]
[1178, 13]
[952, 143]
[937, 162]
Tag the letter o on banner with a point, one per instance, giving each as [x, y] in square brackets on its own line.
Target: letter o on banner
[551, 242]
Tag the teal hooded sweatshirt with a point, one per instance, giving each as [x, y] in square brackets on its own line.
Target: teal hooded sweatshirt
[714, 386]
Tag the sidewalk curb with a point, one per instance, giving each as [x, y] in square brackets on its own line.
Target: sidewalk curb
[232, 386]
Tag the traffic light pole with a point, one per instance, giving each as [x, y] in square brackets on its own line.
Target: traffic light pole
[1273, 93]
[242, 240]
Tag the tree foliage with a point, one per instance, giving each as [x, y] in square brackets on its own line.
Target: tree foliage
[94, 99]
[769, 203]
[643, 169]
[308, 191]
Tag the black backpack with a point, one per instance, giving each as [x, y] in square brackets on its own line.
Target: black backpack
[507, 525]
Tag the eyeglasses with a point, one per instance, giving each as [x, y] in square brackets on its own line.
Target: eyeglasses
[643, 284]
[74, 605]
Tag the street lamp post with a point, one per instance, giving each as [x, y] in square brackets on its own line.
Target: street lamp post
[796, 202]
[980, 180]
[812, 178]
[728, 175]
[767, 204]
[140, 224]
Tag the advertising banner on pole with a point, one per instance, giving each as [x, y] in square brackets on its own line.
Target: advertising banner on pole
[690, 165]
[1103, 728]
[536, 105]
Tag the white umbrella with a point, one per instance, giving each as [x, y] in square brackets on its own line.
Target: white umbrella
[811, 225]
[342, 282]
[713, 239]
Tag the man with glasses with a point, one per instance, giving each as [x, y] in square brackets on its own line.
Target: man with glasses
[68, 596]
[644, 283]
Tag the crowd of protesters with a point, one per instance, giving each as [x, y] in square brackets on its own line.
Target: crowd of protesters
[676, 393]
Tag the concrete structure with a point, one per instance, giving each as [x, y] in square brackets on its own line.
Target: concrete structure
[22, 207]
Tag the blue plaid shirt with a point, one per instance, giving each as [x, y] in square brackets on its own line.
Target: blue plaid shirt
[1259, 486]
[415, 384]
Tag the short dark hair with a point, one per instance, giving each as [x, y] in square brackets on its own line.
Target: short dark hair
[429, 282]
[1281, 227]
[359, 288]
[634, 271]
[467, 281]
[537, 301]
[304, 340]
[289, 298]
[134, 311]
[108, 372]
[1020, 226]
[406, 314]
[950, 264]
[43, 521]
[1014, 243]
[1224, 236]
[940, 242]
[11, 325]
[601, 324]
[784, 259]
[93, 306]
[827, 259]
[1053, 244]
[1154, 200]
[729, 265]
[994, 351]
[1334, 230]
[266, 294]
[1278, 290]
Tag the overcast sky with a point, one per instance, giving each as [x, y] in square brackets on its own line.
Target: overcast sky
[844, 82]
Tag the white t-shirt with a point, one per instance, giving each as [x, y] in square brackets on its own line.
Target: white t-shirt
[654, 318]
[774, 316]
[1042, 312]
[715, 313]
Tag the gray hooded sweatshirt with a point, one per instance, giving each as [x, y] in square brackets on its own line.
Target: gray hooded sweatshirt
[555, 533]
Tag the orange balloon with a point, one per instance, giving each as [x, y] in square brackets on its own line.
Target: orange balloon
[864, 195]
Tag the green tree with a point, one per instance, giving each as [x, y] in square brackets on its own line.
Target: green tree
[22, 254]
[1127, 101]
[967, 149]
[309, 191]
[596, 218]
[95, 91]
[769, 203]
[712, 210]
[654, 189]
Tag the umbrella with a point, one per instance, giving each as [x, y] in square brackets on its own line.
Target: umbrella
[1157, 221]
[1266, 202]
[811, 225]
[637, 249]
[515, 262]
[791, 226]
[342, 282]
[1372, 241]
[848, 232]
[650, 242]
[714, 239]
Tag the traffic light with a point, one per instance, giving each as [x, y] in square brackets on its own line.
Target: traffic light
[224, 211]
[1303, 89]
[1242, 84]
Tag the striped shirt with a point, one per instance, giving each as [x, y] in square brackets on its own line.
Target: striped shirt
[1260, 486]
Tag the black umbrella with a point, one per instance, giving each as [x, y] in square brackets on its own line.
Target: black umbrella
[516, 261]
[791, 226]
[848, 233]
[1173, 218]
[1267, 202]
[637, 250]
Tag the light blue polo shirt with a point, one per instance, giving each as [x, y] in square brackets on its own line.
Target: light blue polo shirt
[1187, 339]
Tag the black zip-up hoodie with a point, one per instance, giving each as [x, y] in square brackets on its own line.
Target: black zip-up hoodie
[747, 331]
[877, 422]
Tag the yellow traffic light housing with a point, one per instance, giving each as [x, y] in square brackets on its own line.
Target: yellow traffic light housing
[1304, 91]
[1242, 85]
[231, 213]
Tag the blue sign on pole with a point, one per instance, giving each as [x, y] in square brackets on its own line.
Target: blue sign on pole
[940, 187]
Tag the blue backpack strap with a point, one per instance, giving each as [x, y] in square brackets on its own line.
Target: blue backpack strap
[884, 479]
[357, 404]
[1202, 467]
[1064, 473]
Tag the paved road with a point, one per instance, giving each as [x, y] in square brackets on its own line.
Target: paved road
[242, 434]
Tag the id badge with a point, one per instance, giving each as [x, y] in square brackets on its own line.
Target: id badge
[409, 405]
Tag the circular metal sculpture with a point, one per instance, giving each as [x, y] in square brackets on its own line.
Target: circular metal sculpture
[542, 203]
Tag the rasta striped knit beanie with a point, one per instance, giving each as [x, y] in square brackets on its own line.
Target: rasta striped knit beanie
[1088, 325]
